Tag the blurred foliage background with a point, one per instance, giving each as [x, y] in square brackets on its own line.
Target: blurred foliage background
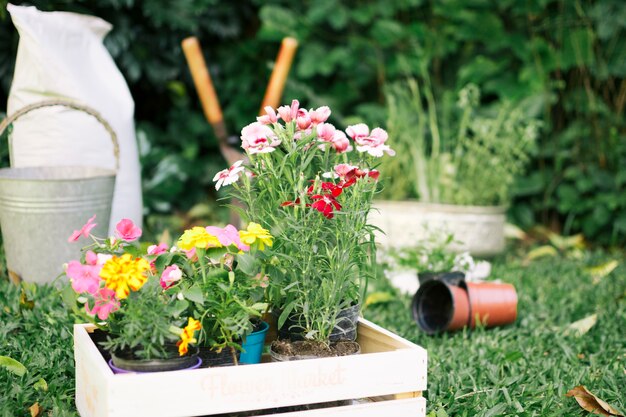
[566, 58]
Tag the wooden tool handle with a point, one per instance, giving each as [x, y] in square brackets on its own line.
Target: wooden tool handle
[203, 83]
[274, 90]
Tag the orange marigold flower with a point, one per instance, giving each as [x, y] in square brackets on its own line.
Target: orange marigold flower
[124, 273]
[187, 336]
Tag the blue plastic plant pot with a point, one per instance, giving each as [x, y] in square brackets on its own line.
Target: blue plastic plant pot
[253, 346]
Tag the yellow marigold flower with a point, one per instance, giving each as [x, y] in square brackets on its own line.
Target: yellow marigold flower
[255, 232]
[198, 237]
[186, 336]
[124, 273]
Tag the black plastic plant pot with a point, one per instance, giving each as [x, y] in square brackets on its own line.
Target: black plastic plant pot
[346, 323]
[439, 306]
[453, 277]
[126, 361]
[211, 358]
[345, 326]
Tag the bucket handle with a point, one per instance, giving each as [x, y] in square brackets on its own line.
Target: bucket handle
[72, 105]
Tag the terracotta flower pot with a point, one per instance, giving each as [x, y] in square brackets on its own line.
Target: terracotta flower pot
[493, 304]
[440, 306]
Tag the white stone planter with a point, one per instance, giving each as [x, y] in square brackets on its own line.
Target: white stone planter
[479, 229]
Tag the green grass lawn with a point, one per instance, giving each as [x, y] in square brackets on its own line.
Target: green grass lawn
[520, 370]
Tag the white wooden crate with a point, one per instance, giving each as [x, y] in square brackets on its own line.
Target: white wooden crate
[390, 371]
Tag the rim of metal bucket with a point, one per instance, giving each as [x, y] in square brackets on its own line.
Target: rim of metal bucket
[72, 105]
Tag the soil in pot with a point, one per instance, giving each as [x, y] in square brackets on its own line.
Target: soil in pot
[126, 361]
[98, 337]
[285, 350]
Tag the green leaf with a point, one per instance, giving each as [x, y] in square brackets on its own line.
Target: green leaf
[194, 293]
[285, 314]
[247, 263]
[163, 260]
[180, 307]
[12, 365]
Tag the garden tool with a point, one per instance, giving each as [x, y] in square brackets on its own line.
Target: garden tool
[210, 101]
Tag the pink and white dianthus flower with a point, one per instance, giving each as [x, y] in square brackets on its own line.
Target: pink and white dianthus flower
[319, 115]
[84, 231]
[258, 138]
[84, 278]
[269, 117]
[228, 176]
[340, 142]
[105, 303]
[373, 143]
[170, 276]
[303, 120]
[228, 236]
[325, 132]
[289, 113]
[127, 230]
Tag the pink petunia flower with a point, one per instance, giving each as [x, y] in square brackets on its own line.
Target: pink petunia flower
[325, 204]
[91, 258]
[157, 249]
[372, 143]
[103, 258]
[84, 231]
[84, 278]
[105, 303]
[319, 115]
[127, 230]
[258, 138]
[170, 276]
[228, 176]
[228, 236]
[191, 254]
[269, 117]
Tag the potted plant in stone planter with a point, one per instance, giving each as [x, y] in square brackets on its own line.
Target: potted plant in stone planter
[143, 327]
[311, 186]
[455, 166]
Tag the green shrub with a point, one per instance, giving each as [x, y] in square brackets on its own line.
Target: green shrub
[566, 58]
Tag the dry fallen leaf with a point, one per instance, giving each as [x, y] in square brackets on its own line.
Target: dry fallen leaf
[591, 403]
[600, 271]
[582, 326]
[35, 410]
[540, 252]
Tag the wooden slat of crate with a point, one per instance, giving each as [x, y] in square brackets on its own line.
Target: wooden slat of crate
[413, 407]
[388, 365]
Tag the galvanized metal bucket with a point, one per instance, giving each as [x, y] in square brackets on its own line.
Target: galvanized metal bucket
[40, 207]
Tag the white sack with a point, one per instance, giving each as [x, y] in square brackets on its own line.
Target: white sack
[61, 54]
